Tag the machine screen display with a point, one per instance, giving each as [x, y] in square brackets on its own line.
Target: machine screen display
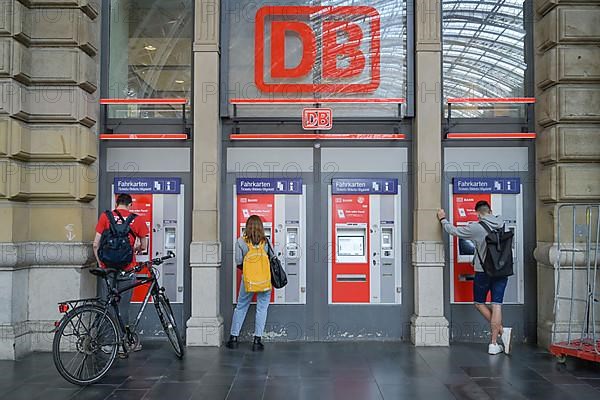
[466, 247]
[351, 246]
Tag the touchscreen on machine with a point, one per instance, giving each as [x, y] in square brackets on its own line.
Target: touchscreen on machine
[351, 246]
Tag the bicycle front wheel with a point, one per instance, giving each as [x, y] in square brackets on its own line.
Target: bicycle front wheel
[167, 320]
[85, 345]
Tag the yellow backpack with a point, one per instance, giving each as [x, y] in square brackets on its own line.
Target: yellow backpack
[257, 269]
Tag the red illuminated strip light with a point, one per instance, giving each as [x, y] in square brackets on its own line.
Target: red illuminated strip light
[143, 101]
[319, 101]
[496, 135]
[143, 136]
[318, 136]
[508, 100]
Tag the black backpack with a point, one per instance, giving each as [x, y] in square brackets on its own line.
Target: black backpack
[115, 249]
[498, 261]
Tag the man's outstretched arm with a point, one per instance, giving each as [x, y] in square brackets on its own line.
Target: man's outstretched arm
[463, 232]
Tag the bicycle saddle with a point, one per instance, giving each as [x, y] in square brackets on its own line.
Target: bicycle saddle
[103, 272]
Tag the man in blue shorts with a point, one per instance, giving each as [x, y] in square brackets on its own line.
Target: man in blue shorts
[483, 284]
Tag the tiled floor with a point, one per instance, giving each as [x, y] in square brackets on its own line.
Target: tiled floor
[354, 371]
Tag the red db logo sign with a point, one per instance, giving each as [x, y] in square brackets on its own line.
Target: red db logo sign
[317, 119]
[343, 49]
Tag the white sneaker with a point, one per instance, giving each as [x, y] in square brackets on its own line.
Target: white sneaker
[506, 338]
[495, 348]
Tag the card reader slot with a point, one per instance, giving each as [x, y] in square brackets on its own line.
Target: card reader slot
[351, 278]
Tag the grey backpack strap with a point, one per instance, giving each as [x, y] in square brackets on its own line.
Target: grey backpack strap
[478, 256]
[485, 226]
[488, 230]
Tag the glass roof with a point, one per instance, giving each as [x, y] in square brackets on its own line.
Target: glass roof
[484, 46]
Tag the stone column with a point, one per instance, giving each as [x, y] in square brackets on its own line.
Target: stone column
[48, 177]
[205, 326]
[567, 43]
[429, 327]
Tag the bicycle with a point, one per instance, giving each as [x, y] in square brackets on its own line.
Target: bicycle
[87, 338]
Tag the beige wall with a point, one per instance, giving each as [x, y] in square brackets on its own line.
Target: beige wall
[429, 327]
[205, 326]
[48, 172]
[567, 76]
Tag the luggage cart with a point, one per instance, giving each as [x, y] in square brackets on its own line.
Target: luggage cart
[577, 284]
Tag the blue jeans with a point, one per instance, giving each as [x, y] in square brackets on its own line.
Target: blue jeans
[239, 315]
[483, 284]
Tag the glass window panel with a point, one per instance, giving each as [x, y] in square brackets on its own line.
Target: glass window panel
[242, 72]
[484, 46]
[150, 54]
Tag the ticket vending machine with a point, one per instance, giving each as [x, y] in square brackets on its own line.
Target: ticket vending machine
[281, 204]
[505, 198]
[364, 227]
[160, 202]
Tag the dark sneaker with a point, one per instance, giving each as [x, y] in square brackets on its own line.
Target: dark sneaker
[232, 343]
[257, 344]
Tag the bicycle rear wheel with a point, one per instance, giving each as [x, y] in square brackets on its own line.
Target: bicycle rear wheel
[167, 319]
[85, 345]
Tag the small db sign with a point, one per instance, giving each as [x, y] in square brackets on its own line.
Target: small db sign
[317, 119]
[317, 49]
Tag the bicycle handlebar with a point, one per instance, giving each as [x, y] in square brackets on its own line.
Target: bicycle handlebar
[154, 261]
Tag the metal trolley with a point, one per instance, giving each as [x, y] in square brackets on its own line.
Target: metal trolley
[576, 328]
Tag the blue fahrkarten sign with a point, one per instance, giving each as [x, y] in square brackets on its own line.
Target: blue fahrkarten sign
[487, 185]
[268, 185]
[147, 185]
[364, 186]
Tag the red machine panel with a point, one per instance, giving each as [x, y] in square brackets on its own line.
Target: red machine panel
[350, 281]
[262, 205]
[142, 206]
[463, 212]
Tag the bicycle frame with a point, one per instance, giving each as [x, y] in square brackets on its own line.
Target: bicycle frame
[115, 305]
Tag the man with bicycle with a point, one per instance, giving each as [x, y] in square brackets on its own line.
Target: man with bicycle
[138, 230]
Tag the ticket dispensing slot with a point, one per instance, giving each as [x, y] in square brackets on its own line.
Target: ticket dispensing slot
[351, 277]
